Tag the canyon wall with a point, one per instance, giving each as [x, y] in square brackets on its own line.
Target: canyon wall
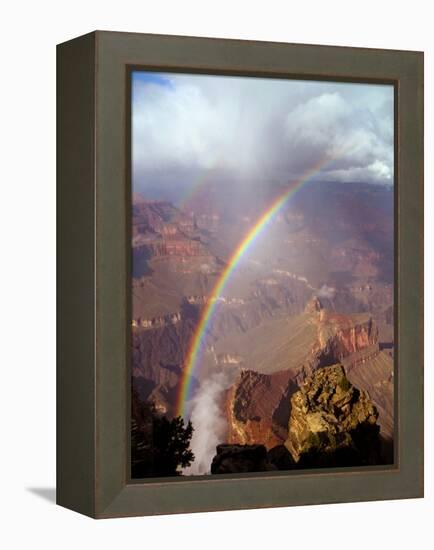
[258, 405]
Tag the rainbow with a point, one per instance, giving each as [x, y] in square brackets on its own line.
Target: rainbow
[197, 186]
[197, 342]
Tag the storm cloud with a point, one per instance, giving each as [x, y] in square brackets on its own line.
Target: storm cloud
[185, 126]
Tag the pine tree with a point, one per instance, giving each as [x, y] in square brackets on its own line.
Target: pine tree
[159, 446]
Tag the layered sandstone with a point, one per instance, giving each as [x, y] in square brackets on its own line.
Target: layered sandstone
[164, 232]
[258, 404]
[256, 408]
[158, 352]
[342, 335]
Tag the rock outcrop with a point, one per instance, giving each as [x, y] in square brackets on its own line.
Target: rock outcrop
[157, 356]
[375, 375]
[157, 322]
[314, 305]
[342, 335]
[153, 217]
[172, 246]
[332, 423]
[257, 408]
[258, 404]
[234, 459]
[160, 231]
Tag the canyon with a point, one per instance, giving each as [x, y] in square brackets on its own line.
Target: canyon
[258, 404]
[332, 423]
[315, 291]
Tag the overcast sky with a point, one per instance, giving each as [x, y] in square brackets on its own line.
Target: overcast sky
[186, 127]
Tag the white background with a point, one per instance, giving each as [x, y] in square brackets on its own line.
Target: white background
[29, 33]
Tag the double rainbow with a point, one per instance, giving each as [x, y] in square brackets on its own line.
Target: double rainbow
[196, 346]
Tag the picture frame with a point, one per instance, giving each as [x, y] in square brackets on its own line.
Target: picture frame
[94, 310]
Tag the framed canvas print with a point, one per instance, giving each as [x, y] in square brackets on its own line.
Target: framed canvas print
[240, 274]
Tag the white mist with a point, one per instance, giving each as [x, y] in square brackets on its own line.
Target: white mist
[208, 422]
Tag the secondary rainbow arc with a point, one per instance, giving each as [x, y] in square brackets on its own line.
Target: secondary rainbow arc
[198, 185]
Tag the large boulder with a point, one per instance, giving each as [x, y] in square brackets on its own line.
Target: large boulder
[234, 459]
[332, 423]
[281, 458]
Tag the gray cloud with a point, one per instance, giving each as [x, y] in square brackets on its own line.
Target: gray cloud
[185, 126]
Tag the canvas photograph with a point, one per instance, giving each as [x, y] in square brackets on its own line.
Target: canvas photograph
[262, 274]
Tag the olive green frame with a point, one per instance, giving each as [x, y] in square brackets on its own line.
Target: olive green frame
[93, 276]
